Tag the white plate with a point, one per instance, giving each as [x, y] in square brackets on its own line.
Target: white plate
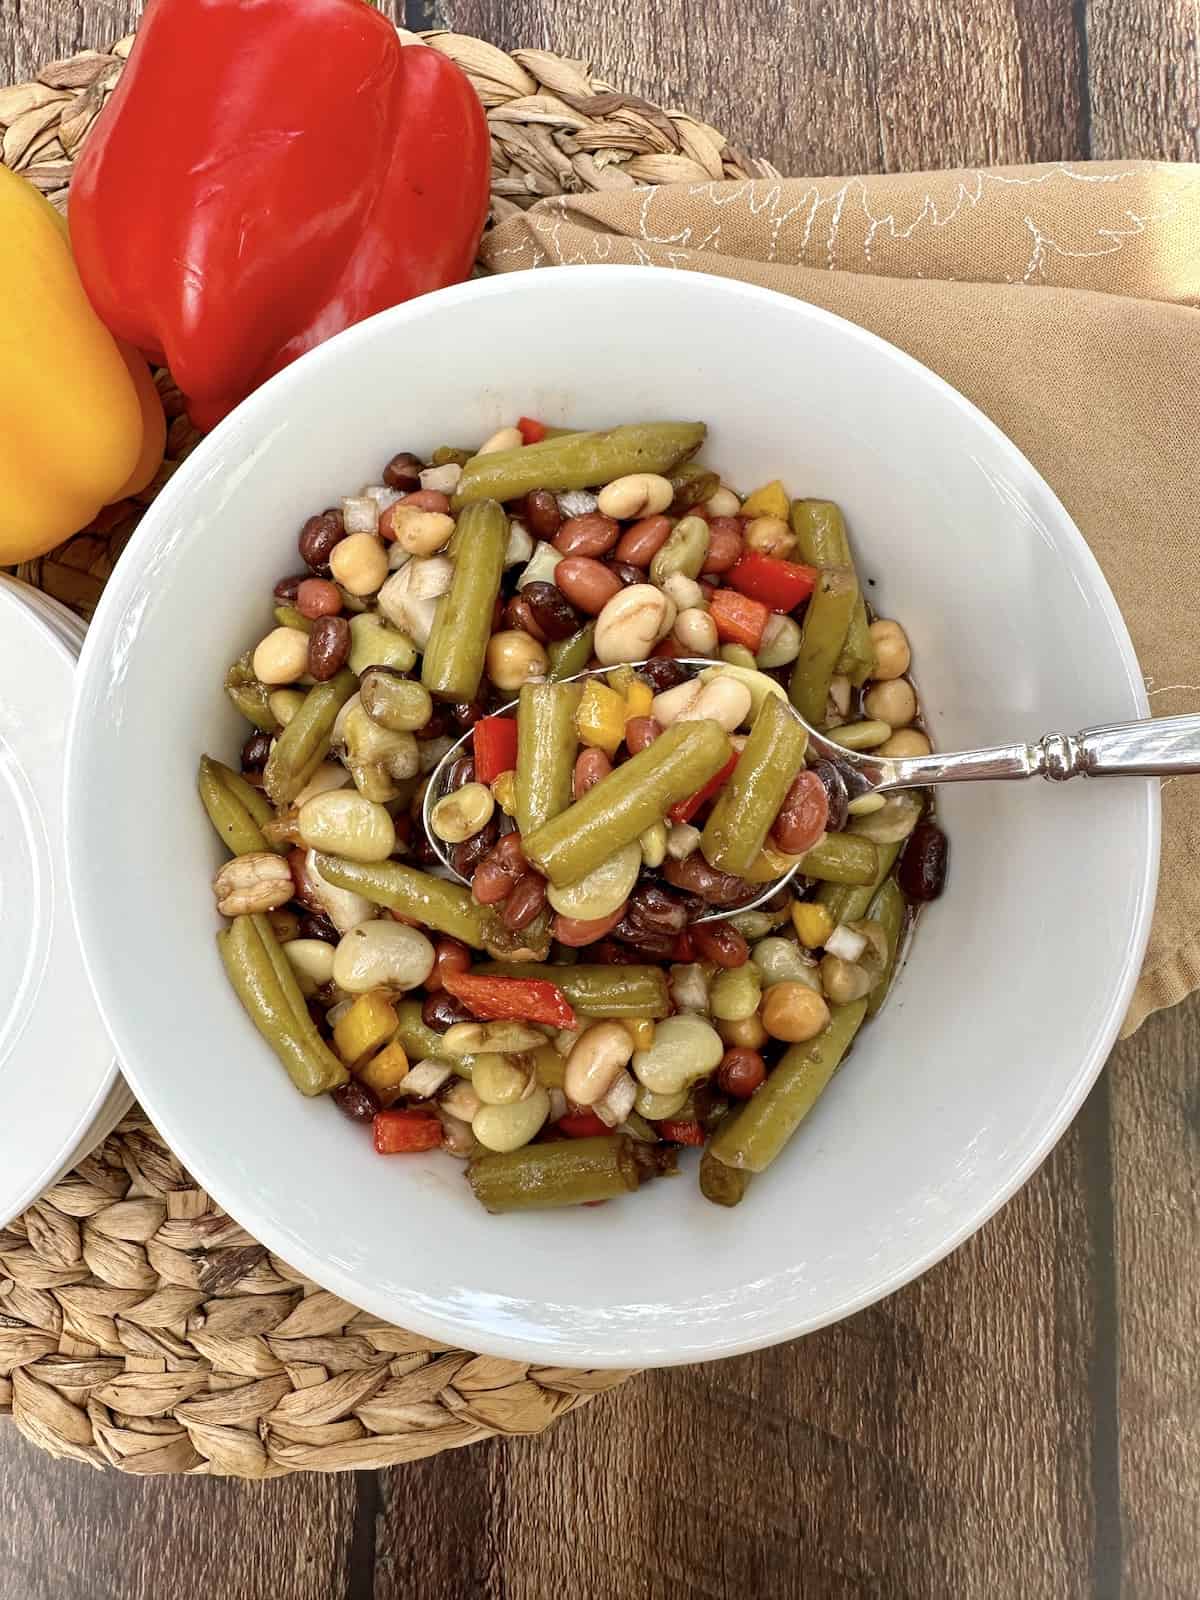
[1018, 977]
[59, 1088]
[64, 624]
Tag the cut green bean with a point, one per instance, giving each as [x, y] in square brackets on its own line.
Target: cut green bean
[430, 902]
[288, 617]
[285, 977]
[724, 1186]
[748, 804]
[693, 485]
[249, 695]
[462, 623]
[598, 990]
[579, 460]
[239, 828]
[448, 455]
[304, 743]
[546, 744]
[821, 639]
[569, 1172]
[752, 1137]
[421, 1042]
[890, 910]
[842, 858]
[848, 902]
[823, 542]
[628, 800]
[309, 1062]
[569, 656]
[857, 660]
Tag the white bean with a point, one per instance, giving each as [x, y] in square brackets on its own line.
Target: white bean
[632, 623]
[596, 1061]
[343, 907]
[639, 494]
[723, 504]
[497, 1081]
[723, 700]
[696, 632]
[502, 439]
[312, 962]
[282, 657]
[382, 954]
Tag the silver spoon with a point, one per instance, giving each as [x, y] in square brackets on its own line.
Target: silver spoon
[1154, 748]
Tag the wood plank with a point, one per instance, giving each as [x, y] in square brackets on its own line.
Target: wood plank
[1144, 79]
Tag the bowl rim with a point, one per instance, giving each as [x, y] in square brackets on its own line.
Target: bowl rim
[570, 1348]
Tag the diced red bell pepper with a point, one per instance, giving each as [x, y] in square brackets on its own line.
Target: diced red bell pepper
[531, 430]
[739, 619]
[527, 999]
[404, 1132]
[494, 742]
[581, 1125]
[780, 585]
[685, 810]
[682, 1132]
[668, 649]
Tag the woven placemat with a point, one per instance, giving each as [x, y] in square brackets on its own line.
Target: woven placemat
[140, 1327]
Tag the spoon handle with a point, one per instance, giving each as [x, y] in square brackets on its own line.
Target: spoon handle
[1150, 749]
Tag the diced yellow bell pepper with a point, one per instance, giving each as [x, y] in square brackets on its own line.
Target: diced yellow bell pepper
[769, 501]
[640, 1030]
[770, 864]
[81, 423]
[384, 1073]
[600, 719]
[812, 923]
[639, 700]
[504, 792]
[367, 1026]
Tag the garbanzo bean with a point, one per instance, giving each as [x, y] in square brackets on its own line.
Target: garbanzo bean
[513, 658]
[282, 657]
[359, 563]
[794, 1012]
[892, 701]
[892, 654]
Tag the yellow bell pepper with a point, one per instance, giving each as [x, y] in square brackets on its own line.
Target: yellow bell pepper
[600, 719]
[639, 700]
[769, 501]
[81, 423]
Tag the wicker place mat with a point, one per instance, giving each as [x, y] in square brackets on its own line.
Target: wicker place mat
[140, 1327]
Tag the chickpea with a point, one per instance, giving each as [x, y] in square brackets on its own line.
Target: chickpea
[461, 815]
[359, 563]
[514, 658]
[696, 632]
[892, 701]
[843, 981]
[793, 1012]
[908, 742]
[421, 533]
[771, 536]
[892, 654]
[282, 657]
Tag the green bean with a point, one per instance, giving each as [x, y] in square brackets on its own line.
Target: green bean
[569, 1172]
[237, 825]
[448, 455]
[249, 695]
[821, 531]
[846, 902]
[821, 641]
[546, 745]
[285, 976]
[304, 743]
[693, 485]
[857, 660]
[421, 1042]
[749, 802]
[598, 989]
[569, 656]
[429, 901]
[842, 858]
[890, 910]
[579, 460]
[289, 617]
[462, 623]
[752, 1138]
[684, 552]
[309, 1062]
[628, 801]
[723, 1185]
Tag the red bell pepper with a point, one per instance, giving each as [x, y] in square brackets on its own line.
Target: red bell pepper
[528, 999]
[405, 1132]
[494, 742]
[266, 174]
[739, 619]
[685, 810]
[532, 431]
[682, 1132]
[582, 1125]
[781, 585]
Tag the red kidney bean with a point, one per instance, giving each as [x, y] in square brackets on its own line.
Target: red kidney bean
[467, 714]
[590, 535]
[551, 610]
[316, 926]
[302, 883]
[317, 597]
[642, 541]
[835, 794]
[611, 954]
[441, 1011]
[459, 773]
[725, 543]
[524, 903]
[255, 752]
[328, 647]
[645, 944]
[288, 588]
[449, 955]
[717, 941]
[403, 471]
[628, 574]
[741, 1071]
[715, 888]
[518, 613]
[317, 539]
[574, 933]
[355, 1100]
[922, 869]
[641, 732]
[540, 514]
[497, 874]
[662, 672]
[466, 857]
[438, 724]
[801, 819]
[590, 767]
[588, 584]
[426, 500]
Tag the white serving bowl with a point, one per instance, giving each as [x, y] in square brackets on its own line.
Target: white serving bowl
[1018, 977]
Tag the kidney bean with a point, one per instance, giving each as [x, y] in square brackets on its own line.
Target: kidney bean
[438, 724]
[644, 943]
[642, 541]
[591, 535]
[510, 853]
[725, 543]
[317, 539]
[802, 818]
[922, 870]
[628, 574]
[288, 588]
[315, 925]
[715, 888]
[328, 647]
[466, 857]
[590, 767]
[403, 471]
[717, 941]
[609, 953]
[499, 870]
[552, 611]
[449, 955]
[524, 903]
[540, 513]
[575, 933]
[640, 732]
[317, 597]
[467, 714]
[255, 752]
[423, 854]
[652, 907]
[422, 500]
[441, 1011]
[305, 891]
[355, 1100]
[588, 584]
[741, 1071]
[835, 793]
[518, 613]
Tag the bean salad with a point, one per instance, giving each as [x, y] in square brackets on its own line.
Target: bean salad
[548, 965]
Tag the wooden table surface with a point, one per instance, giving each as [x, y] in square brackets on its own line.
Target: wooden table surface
[1025, 1420]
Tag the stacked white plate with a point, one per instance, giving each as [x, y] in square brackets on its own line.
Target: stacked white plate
[61, 1092]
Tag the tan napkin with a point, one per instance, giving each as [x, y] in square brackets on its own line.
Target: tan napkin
[1062, 301]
